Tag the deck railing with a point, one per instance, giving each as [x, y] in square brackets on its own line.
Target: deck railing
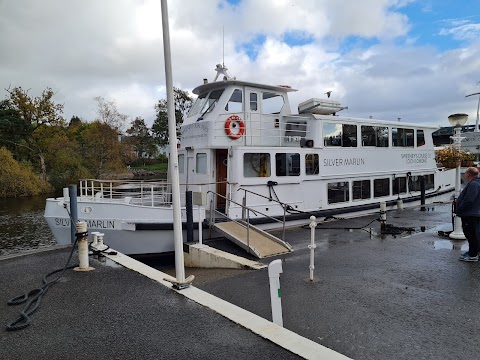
[153, 193]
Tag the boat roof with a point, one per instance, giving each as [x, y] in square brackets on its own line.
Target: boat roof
[221, 84]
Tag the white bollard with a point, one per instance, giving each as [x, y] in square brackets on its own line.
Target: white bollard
[100, 245]
[400, 204]
[200, 229]
[383, 215]
[274, 271]
[81, 227]
[95, 238]
[312, 246]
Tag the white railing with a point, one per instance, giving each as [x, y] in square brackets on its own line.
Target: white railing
[154, 193]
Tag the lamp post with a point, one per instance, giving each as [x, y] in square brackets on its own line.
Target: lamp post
[457, 121]
[478, 109]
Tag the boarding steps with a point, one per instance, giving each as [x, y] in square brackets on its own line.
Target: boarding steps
[259, 242]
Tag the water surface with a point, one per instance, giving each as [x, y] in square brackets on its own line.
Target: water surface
[22, 226]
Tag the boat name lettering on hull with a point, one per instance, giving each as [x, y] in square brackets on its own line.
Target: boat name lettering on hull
[416, 158]
[96, 224]
[344, 162]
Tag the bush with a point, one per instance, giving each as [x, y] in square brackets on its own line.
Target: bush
[19, 179]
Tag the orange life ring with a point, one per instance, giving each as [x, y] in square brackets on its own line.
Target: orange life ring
[231, 123]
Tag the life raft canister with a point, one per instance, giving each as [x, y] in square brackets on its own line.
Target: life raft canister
[234, 122]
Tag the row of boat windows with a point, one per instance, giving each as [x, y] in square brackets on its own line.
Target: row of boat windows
[345, 135]
[339, 192]
[266, 102]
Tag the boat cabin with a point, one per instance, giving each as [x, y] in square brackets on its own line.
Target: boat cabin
[241, 135]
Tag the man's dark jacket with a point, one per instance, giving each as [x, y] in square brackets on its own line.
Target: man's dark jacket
[468, 202]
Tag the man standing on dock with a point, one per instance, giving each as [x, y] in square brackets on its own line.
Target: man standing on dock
[468, 208]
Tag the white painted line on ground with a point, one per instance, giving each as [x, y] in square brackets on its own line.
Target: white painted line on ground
[285, 338]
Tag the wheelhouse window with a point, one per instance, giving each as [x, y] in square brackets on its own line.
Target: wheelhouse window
[381, 187]
[344, 135]
[272, 103]
[211, 101]
[234, 104]
[420, 138]
[201, 163]
[399, 185]
[361, 189]
[402, 137]
[338, 192]
[181, 164]
[374, 136]
[311, 164]
[287, 164]
[256, 165]
[198, 104]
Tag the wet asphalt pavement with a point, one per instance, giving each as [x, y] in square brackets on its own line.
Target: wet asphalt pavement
[395, 297]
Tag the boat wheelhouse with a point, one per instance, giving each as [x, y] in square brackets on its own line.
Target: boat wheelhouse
[253, 162]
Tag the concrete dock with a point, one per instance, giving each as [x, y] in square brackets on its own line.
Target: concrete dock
[403, 296]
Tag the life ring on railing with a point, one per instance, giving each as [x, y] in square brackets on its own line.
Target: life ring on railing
[233, 122]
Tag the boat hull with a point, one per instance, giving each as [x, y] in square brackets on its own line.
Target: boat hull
[127, 228]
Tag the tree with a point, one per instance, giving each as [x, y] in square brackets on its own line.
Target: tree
[75, 121]
[37, 112]
[183, 103]
[13, 128]
[63, 158]
[18, 179]
[140, 138]
[109, 115]
[102, 151]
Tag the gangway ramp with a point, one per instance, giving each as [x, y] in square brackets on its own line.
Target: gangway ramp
[252, 239]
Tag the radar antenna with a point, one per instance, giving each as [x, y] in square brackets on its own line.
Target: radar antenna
[223, 70]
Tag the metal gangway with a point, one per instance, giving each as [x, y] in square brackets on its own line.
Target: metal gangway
[250, 238]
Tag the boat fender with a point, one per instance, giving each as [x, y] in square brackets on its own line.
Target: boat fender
[233, 122]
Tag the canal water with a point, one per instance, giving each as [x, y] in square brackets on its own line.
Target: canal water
[22, 226]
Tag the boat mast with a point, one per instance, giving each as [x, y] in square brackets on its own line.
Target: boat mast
[172, 139]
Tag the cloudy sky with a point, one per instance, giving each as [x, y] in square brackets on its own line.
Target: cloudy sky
[410, 59]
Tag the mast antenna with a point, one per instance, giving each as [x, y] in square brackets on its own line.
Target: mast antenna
[223, 45]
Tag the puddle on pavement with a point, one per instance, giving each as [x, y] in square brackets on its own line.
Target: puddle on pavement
[449, 244]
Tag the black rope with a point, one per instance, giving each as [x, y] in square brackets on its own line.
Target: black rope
[288, 208]
[36, 295]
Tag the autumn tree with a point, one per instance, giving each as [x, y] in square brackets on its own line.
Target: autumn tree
[35, 113]
[17, 179]
[183, 102]
[63, 158]
[101, 149]
[109, 115]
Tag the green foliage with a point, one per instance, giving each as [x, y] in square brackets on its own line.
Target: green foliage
[183, 102]
[140, 139]
[13, 129]
[17, 179]
[63, 158]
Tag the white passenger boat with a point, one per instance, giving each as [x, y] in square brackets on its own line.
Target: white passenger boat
[244, 151]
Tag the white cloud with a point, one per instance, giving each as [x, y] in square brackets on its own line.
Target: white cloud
[113, 49]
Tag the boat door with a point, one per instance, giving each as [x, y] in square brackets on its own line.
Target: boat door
[252, 111]
[221, 157]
